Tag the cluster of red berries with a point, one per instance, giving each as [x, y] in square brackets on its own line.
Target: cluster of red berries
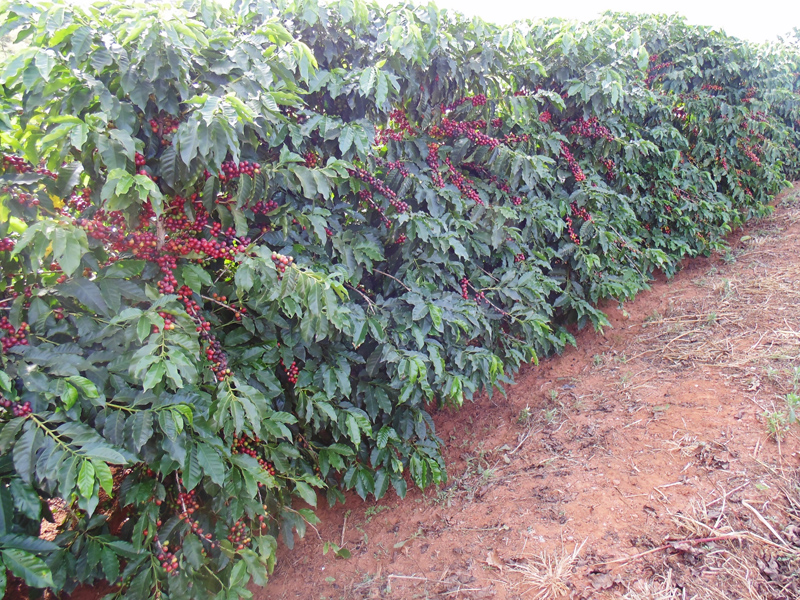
[580, 212]
[18, 409]
[519, 258]
[292, 372]
[571, 231]
[749, 93]
[13, 337]
[401, 239]
[396, 129]
[237, 312]
[239, 536]
[169, 322]
[592, 129]
[213, 349]
[390, 166]
[464, 288]
[19, 164]
[245, 445]
[58, 313]
[168, 560]
[680, 113]
[513, 138]
[448, 107]
[381, 188]
[481, 139]
[6, 245]
[264, 208]
[709, 87]
[139, 160]
[175, 219]
[311, 158]
[609, 165]
[497, 123]
[479, 100]
[486, 175]
[545, 116]
[655, 71]
[573, 164]
[281, 262]
[469, 129]
[750, 152]
[463, 184]
[480, 298]
[250, 447]
[433, 162]
[230, 170]
[23, 198]
[164, 124]
[110, 227]
[366, 197]
[79, 202]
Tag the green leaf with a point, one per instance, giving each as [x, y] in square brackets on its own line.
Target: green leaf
[5, 381]
[9, 432]
[346, 139]
[211, 463]
[24, 450]
[306, 492]
[367, 80]
[86, 386]
[104, 476]
[86, 479]
[87, 293]
[196, 277]
[192, 550]
[32, 569]
[143, 328]
[154, 375]
[110, 564]
[28, 543]
[141, 425]
[188, 141]
[192, 474]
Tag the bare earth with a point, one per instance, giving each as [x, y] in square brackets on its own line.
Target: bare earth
[656, 460]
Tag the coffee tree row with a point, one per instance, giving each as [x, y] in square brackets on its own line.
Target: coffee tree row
[245, 250]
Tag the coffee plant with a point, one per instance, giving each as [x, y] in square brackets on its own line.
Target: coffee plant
[246, 250]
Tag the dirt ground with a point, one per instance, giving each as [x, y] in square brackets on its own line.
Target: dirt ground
[656, 460]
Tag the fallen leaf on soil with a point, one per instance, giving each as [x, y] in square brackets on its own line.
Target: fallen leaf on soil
[493, 560]
[602, 581]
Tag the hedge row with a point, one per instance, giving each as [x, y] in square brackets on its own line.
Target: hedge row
[245, 249]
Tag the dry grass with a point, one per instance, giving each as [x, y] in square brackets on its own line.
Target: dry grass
[746, 314]
[546, 576]
[658, 588]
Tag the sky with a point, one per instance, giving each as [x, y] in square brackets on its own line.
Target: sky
[755, 20]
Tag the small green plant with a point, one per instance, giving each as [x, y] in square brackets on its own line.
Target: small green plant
[597, 360]
[336, 549]
[550, 415]
[793, 403]
[777, 424]
[553, 395]
[524, 415]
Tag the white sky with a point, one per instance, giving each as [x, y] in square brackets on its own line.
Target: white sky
[755, 20]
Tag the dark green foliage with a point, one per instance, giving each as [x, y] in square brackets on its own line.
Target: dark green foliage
[246, 250]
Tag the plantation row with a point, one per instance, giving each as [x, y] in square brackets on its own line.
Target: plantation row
[245, 250]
